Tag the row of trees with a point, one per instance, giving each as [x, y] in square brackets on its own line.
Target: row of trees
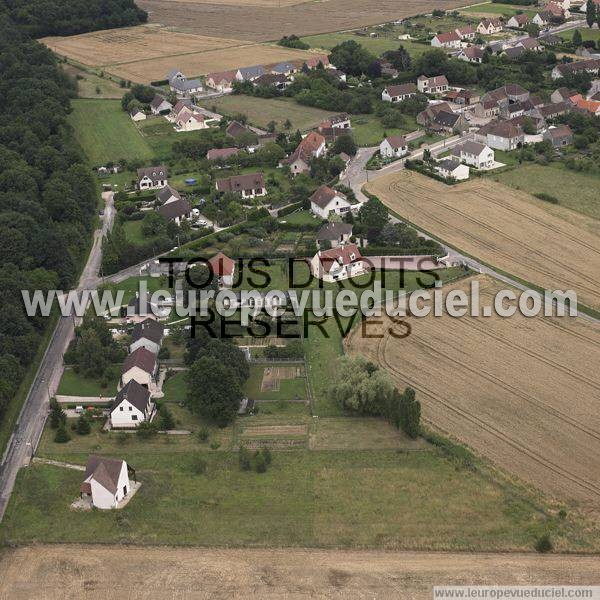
[362, 388]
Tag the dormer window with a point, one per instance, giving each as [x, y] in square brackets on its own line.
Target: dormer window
[353, 256]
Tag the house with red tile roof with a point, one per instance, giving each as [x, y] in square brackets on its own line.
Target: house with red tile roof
[338, 263]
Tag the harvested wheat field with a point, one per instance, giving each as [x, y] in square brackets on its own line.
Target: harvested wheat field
[524, 392]
[117, 46]
[545, 244]
[107, 572]
[268, 20]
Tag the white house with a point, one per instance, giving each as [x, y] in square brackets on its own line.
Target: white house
[541, 19]
[221, 81]
[474, 154]
[141, 366]
[181, 85]
[472, 54]
[338, 263]
[249, 185]
[106, 482]
[326, 200]
[313, 145]
[223, 268]
[448, 39]
[190, 120]
[432, 85]
[466, 33]
[450, 168]
[159, 105]
[131, 406]
[501, 135]
[489, 26]
[152, 178]
[137, 115]
[518, 21]
[147, 334]
[394, 146]
[397, 93]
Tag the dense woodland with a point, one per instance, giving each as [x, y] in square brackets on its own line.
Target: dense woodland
[39, 18]
[48, 198]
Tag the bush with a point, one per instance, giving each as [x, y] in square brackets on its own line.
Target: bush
[260, 464]
[166, 418]
[121, 438]
[62, 436]
[546, 198]
[203, 434]
[146, 430]
[215, 445]
[544, 544]
[267, 455]
[83, 425]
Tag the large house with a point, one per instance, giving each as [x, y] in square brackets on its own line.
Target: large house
[335, 234]
[590, 65]
[190, 120]
[250, 73]
[466, 33]
[131, 406]
[432, 85]
[152, 178]
[518, 21]
[450, 168]
[427, 116]
[501, 135]
[394, 146]
[221, 81]
[313, 145]
[173, 207]
[397, 93]
[448, 39]
[489, 26]
[326, 200]
[249, 185]
[474, 154]
[160, 105]
[236, 130]
[338, 263]
[223, 268]
[141, 366]
[106, 482]
[181, 85]
[147, 334]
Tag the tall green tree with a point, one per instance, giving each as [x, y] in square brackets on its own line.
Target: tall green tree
[590, 13]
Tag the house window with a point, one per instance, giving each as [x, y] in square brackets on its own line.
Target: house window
[121, 408]
[130, 409]
[134, 417]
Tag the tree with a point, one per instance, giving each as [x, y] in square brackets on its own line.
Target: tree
[245, 459]
[90, 354]
[351, 57]
[57, 414]
[260, 464]
[409, 413]
[212, 392]
[544, 544]
[146, 430]
[373, 214]
[153, 224]
[590, 13]
[287, 124]
[533, 30]
[83, 425]
[344, 143]
[167, 421]
[577, 39]
[62, 436]
[399, 59]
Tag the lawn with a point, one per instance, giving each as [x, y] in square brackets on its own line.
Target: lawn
[106, 133]
[574, 190]
[586, 34]
[73, 384]
[260, 111]
[490, 8]
[290, 389]
[175, 388]
[90, 85]
[132, 285]
[367, 130]
[385, 499]
[301, 217]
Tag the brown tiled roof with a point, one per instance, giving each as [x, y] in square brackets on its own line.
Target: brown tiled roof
[401, 90]
[235, 129]
[333, 231]
[397, 141]
[340, 255]
[221, 265]
[154, 173]
[142, 358]
[448, 36]
[177, 208]
[306, 148]
[221, 153]
[237, 183]
[323, 195]
[105, 471]
[135, 394]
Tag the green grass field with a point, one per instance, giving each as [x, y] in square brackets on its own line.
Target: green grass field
[574, 190]
[490, 8]
[586, 34]
[367, 130]
[106, 133]
[260, 111]
[290, 389]
[385, 499]
[73, 384]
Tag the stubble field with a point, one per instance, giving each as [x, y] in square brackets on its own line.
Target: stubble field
[521, 391]
[107, 572]
[547, 245]
[266, 20]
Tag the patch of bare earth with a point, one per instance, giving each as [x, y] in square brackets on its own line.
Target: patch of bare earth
[521, 391]
[116, 572]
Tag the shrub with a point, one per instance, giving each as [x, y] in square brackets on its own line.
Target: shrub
[121, 438]
[260, 464]
[62, 436]
[166, 418]
[203, 434]
[267, 455]
[544, 544]
[83, 425]
[546, 198]
[146, 430]
[215, 445]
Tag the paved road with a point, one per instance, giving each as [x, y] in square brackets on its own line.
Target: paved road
[35, 409]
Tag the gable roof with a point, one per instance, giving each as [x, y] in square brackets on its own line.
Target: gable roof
[141, 358]
[396, 141]
[283, 67]
[158, 100]
[447, 36]
[222, 76]
[221, 265]
[323, 195]
[235, 129]
[251, 72]
[136, 394]
[521, 19]
[167, 193]
[157, 173]
[558, 132]
[105, 471]
[503, 129]
[435, 81]
[473, 52]
[221, 153]
[447, 119]
[307, 148]
[342, 255]
[333, 231]
[148, 329]
[237, 183]
[177, 208]
[449, 164]
[401, 90]
[270, 79]
[469, 147]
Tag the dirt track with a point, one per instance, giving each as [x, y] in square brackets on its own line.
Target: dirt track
[262, 23]
[544, 244]
[521, 391]
[107, 572]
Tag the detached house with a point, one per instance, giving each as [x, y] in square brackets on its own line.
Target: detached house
[181, 85]
[474, 154]
[397, 93]
[147, 334]
[190, 120]
[559, 136]
[137, 115]
[450, 168]
[160, 105]
[132, 406]
[466, 33]
[140, 366]
[501, 135]
[473, 54]
[590, 65]
[448, 39]
[334, 126]
[335, 234]
[250, 73]
[489, 26]
[518, 21]
[338, 263]
[249, 186]
[176, 209]
[152, 178]
[326, 200]
[221, 153]
[106, 482]
[223, 268]
[394, 146]
[432, 85]
[313, 145]
[221, 81]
